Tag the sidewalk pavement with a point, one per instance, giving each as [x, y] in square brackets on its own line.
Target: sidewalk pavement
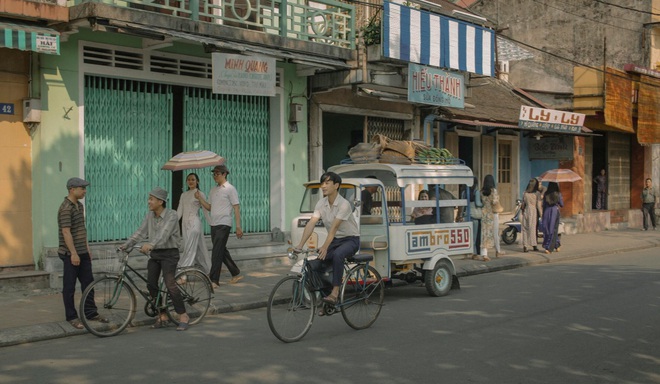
[36, 315]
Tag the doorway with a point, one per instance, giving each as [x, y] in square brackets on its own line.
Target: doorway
[599, 163]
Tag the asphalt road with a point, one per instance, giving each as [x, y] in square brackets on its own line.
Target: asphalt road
[587, 321]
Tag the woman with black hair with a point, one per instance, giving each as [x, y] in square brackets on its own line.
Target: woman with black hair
[552, 201]
[194, 247]
[531, 206]
[489, 220]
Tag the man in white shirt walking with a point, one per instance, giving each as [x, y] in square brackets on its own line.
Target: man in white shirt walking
[223, 199]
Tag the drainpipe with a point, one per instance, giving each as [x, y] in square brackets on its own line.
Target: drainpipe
[428, 128]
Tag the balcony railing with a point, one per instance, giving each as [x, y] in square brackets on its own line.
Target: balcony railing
[322, 21]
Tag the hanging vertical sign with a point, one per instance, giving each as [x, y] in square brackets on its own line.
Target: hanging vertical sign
[243, 75]
[428, 85]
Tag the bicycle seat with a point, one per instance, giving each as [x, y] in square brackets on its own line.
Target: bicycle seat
[360, 258]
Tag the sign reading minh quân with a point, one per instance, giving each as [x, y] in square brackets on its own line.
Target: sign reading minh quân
[428, 85]
[551, 120]
[243, 75]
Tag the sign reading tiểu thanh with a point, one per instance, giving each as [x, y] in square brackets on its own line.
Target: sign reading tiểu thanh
[243, 75]
[428, 85]
[542, 119]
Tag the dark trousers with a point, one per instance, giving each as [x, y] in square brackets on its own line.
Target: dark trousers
[338, 251]
[477, 238]
[165, 260]
[72, 273]
[220, 254]
[648, 209]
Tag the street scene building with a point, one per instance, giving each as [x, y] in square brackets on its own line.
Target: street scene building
[110, 90]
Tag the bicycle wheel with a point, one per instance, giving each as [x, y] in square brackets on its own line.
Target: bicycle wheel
[195, 290]
[362, 294]
[114, 301]
[291, 308]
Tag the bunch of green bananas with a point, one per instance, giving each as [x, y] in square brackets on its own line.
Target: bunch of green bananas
[434, 156]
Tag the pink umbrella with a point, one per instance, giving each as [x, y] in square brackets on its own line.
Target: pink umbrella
[560, 176]
[193, 160]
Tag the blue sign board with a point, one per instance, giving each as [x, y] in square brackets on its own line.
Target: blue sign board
[428, 85]
[6, 109]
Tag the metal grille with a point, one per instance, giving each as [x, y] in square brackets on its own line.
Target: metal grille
[394, 129]
[128, 137]
[237, 128]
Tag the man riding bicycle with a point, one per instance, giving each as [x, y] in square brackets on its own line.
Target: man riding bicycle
[161, 227]
[343, 233]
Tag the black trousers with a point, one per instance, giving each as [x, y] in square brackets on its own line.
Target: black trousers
[648, 209]
[165, 260]
[220, 254]
[82, 273]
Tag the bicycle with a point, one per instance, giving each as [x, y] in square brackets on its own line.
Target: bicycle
[115, 298]
[292, 303]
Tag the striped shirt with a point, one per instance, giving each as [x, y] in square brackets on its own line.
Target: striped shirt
[72, 215]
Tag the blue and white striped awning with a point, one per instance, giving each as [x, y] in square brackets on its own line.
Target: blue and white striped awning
[423, 37]
[29, 38]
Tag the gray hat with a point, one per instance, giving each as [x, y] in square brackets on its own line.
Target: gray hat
[221, 168]
[76, 182]
[159, 193]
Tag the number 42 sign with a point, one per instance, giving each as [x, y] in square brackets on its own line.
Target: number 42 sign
[550, 119]
[6, 109]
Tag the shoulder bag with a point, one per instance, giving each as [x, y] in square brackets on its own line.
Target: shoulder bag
[475, 206]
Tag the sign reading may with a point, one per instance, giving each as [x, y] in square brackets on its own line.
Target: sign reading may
[243, 75]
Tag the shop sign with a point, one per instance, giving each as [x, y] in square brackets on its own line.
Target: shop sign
[428, 85]
[47, 44]
[551, 148]
[6, 109]
[243, 75]
[541, 119]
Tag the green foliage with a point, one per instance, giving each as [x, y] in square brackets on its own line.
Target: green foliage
[371, 33]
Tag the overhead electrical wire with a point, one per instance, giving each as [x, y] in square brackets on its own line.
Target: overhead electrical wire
[575, 62]
[592, 20]
[627, 8]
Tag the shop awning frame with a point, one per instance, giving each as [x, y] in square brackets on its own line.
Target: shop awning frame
[29, 37]
[492, 127]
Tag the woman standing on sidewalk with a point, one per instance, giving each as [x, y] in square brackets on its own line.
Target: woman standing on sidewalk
[531, 206]
[552, 201]
[489, 221]
[194, 247]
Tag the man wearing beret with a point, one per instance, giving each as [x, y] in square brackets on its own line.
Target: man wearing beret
[161, 228]
[74, 252]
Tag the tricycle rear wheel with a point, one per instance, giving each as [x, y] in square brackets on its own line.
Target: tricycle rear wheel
[438, 281]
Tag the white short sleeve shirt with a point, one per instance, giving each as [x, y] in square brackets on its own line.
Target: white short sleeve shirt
[341, 209]
[222, 199]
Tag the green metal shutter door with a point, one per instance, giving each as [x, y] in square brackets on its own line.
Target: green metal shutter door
[128, 137]
[237, 128]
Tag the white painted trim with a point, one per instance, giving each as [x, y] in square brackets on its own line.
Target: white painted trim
[145, 74]
[277, 133]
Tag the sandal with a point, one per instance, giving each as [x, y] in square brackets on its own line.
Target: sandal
[75, 323]
[332, 300]
[182, 326]
[100, 319]
[486, 258]
[160, 323]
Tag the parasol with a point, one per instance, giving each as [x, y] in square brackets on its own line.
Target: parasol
[560, 176]
[193, 160]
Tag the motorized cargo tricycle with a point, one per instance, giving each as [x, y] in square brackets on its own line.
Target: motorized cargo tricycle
[402, 249]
